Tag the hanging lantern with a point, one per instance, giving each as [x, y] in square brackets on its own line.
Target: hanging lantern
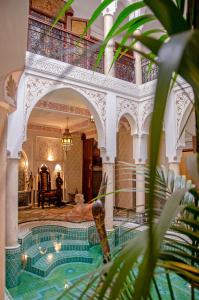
[67, 141]
[92, 119]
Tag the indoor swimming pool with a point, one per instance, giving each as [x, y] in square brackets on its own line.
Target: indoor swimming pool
[54, 257]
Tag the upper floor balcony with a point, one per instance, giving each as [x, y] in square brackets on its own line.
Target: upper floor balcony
[66, 46]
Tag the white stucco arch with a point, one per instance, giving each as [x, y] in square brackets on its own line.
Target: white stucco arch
[31, 89]
[146, 124]
[132, 122]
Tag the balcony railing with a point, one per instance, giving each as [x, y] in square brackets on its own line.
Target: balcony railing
[149, 71]
[66, 46]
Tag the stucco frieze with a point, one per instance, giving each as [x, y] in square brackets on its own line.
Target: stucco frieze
[64, 70]
[183, 99]
[36, 87]
[146, 109]
[127, 106]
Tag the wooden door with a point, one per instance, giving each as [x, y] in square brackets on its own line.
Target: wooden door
[87, 180]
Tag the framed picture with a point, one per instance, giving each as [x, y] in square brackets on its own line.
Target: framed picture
[78, 26]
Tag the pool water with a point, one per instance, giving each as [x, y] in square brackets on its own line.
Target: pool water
[85, 257]
[33, 287]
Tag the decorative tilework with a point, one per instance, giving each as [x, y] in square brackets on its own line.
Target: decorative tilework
[13, 266]
[77, 239]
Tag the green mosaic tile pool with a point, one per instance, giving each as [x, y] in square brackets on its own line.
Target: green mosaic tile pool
[81, 257]
[33, 287]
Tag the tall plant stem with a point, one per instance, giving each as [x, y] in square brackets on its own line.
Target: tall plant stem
[196, 95]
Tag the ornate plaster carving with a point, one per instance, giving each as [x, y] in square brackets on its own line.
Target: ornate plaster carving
[127, 106]
[37, 87]
[64, 70]
[110, 9]
[146, 109]
[98, 98]
[183, 99]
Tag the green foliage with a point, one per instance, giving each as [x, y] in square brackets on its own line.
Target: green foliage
[156, 247]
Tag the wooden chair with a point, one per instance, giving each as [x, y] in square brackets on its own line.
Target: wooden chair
[44, 186]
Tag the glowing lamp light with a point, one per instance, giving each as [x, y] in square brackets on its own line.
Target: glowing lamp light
[58, 168]
[26, 164]
[50, 257]
[24, 259]
[92, 119]
[67, 141]
[50, 157]
[57, 246]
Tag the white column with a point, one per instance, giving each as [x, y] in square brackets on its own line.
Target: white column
[140, 158]
[3, 165]
[109, 169]
[108, 14]
[137, 56]
[12, 203]
[108, 156]
[173, 146]
[140, 188]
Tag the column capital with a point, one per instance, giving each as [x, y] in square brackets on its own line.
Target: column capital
[110, 9]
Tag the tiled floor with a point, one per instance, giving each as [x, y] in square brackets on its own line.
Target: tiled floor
[65, 213]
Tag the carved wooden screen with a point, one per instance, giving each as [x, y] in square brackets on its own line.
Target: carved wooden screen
[87, 180]
[49, 8]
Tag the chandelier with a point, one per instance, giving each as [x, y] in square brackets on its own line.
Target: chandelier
[67, 141]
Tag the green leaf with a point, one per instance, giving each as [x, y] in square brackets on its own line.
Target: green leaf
[158, 231]
[169, 15]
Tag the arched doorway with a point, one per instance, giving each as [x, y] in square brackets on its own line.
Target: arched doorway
[51, 115]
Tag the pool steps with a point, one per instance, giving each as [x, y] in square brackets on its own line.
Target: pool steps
[45, 264]
[42, 257]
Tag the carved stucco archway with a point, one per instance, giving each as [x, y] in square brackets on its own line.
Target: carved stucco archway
[146, 109]
[184, 107]
[33, 88]
[128, 109]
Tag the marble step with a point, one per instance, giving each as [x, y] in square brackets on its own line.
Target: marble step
[51, 260]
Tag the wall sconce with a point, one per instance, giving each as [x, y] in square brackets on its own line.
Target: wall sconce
[24, 259]
[57, 246]
[50, 257]
[58, 168]
[50, 157]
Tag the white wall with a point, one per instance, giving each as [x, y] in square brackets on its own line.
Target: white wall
[124, 153]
